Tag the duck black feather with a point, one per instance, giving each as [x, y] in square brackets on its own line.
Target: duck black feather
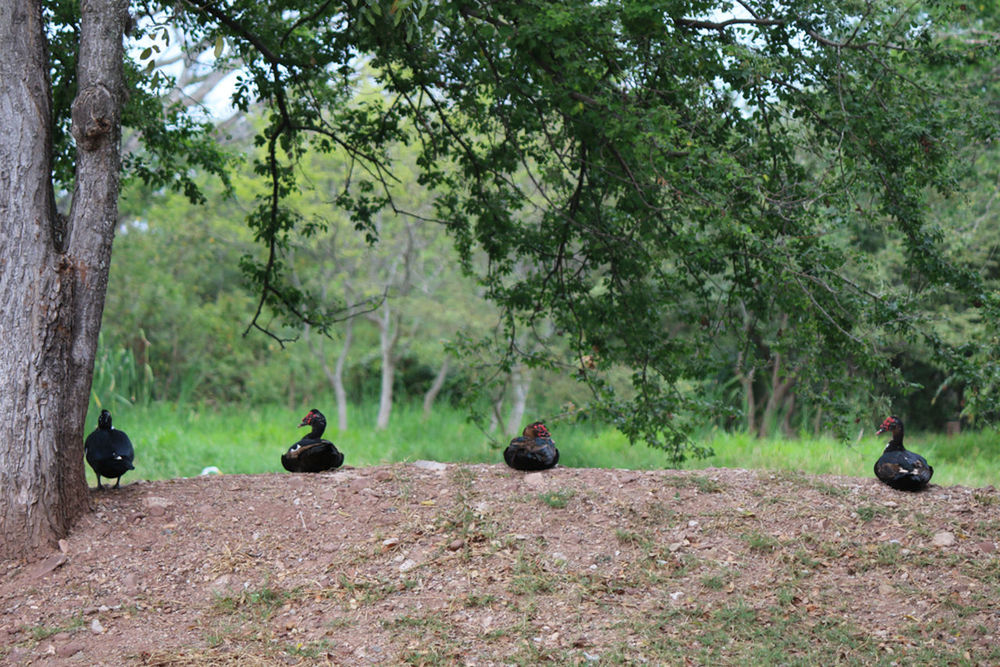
[312, 453]
[108, 451]
[898, 467]
[533, 450]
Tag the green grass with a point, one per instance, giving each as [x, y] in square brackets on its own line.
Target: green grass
[969, 459]
[179, 440]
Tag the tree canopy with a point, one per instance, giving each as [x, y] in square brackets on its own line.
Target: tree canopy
[682, 188]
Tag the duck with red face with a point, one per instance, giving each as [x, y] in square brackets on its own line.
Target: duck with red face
[898, 467]
[312, 453]
[533, 450]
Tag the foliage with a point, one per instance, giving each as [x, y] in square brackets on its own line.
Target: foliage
[118, 378]
[691, 178]
[175, 142]
[682, 190]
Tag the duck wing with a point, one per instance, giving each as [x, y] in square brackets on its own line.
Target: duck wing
[903, 470]
[312, 456]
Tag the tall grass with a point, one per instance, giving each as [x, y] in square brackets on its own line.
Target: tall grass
[969, 459]
[180, 440]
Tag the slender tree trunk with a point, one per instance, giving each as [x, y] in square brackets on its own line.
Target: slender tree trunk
[388, 327]
[520, 379]
[778, 390]
[435, 388]
[337, 379]
[786, 421]
[53, 269]
[334, 376]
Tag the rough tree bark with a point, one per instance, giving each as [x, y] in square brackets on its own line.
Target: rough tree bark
[53, 268]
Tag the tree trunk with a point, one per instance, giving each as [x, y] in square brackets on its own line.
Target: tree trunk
[388, 327]
[337, 379]
[334, 376]
[53, 269]
[435, 388]
[520, 379]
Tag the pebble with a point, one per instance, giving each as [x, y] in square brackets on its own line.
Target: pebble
[96, 627]
[432, 466]
[943, 539]
[534, 479]
[69, 650]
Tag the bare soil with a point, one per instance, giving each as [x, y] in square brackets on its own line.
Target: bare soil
[429, 563]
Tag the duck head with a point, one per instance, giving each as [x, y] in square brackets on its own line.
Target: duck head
[536, 430]
[104, 420]
[315, 419]
[892, 425]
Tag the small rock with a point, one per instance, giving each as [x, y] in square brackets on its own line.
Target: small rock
[432, 466]
[220, 585]
[407, 565]
[96, 627]
[988, 547]
[389, 543]
[943, 539]
[48, 565]
[455, 545]
[64, 546]
[69, 650]
[534, 479]
[383, 476]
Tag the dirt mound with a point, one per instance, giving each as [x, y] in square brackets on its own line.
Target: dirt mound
[430, 563]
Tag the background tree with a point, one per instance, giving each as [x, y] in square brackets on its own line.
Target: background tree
[684, 162]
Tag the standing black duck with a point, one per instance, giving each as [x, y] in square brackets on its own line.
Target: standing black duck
[109, 451]
[899, 468]
[533, 450]
[312, 453]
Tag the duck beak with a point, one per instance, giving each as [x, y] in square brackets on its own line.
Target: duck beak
[880, 431]
[304, 422]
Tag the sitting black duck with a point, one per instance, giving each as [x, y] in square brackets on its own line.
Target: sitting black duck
[898, 467]
[533, 450]
[312, 453]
